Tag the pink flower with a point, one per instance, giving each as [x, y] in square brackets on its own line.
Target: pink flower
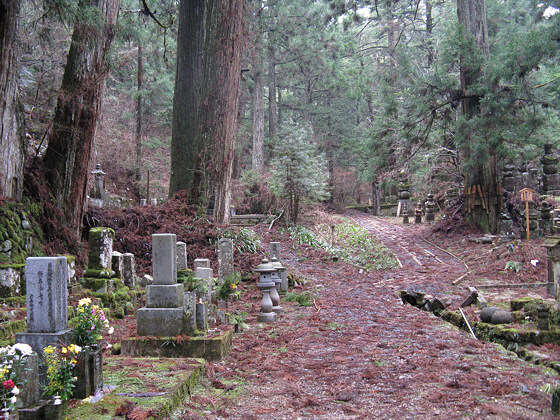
[9, 384]
[93, 327]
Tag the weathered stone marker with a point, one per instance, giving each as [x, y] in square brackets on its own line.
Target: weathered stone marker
[164, 312]
[129, 269]
[430, 208]
[201, 263]
[99, 274]
[225, 259]
[47, 303]
[181, 256]
[552, 245]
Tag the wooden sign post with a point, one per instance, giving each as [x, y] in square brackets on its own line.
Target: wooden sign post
[527, 195]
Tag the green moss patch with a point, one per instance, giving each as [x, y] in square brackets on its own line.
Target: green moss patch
[155, 385]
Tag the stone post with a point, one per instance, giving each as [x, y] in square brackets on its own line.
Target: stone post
[99, 275]
[225, 259]
[181, 256]
[543, 322]
[275, 276]
[129, 269]
[275, 253]
[163, 315]
[405, 213]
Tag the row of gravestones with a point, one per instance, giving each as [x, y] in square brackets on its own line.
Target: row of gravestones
[169, 309]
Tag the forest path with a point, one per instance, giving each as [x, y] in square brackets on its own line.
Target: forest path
[358, 352]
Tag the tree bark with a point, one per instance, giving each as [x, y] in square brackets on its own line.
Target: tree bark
[258, 107]
[272, 107]
[187, 167]
[206, 101]
[224, 101]
[68, 154]
[12, 150]
[483, 171]
[139, 100]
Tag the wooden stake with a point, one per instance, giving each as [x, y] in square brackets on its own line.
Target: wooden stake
[527, 217]
[468, 325]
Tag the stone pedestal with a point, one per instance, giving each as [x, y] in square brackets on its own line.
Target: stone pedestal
[89, 372]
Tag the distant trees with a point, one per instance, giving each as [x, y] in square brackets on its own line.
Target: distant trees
[298, 171]
[205, 102]
[67, 158]
[12, 150]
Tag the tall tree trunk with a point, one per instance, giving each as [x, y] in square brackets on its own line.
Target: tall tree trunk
[187, 143]
[139, 100]
[224, 100]
[68, 154]
[258, 107]
[12, 150]
[429, 29]
[272, 108]
[206, 101]
[483, 171]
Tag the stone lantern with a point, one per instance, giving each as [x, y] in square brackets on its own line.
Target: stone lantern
[552, 245]
[418, 213]
[278, 281]
[266, 283]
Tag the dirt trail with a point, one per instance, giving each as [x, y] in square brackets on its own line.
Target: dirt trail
[360, 353]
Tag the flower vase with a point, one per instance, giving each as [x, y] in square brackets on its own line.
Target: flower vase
[56, 411]
[89, 371]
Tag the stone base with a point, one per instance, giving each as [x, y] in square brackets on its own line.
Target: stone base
[164, 296]
[214, 347]
[160, 322]
[277, 309]
[38, 341]
[266, 317]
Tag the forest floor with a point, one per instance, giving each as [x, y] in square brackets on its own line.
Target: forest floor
[359, 352]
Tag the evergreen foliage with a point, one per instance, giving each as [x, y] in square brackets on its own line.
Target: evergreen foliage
[298, 171]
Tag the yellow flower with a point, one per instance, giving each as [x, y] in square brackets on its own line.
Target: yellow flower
[84, 302]
[64, 350]
[48, 350]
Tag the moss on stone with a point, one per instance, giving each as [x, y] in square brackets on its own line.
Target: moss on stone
[100, 274]
[522, 303]
[93, 284]
[8, 329]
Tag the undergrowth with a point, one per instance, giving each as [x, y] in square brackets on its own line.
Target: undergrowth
[344, 239]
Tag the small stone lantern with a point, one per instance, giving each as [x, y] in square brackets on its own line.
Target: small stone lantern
[552, 245]
[266, 283]
[278, 281]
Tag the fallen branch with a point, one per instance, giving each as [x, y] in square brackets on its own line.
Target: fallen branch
[468, 324]
[316, 307]
[279, 216]
[447, 252]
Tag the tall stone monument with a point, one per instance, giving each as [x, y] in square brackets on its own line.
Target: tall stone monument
[163, 315]
[47, 303]
[225, 259]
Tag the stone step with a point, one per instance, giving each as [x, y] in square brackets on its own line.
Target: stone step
[156, 384]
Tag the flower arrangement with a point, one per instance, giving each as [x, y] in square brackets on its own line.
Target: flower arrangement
[89, 324]
[60, 364]
[12, 363]
[229, 286]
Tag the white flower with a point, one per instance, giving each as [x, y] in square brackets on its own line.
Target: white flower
[24, 349]
[13, 400]
[15, 390]
[111, 330]
[57, 400]
[77, 348]
[534, 262]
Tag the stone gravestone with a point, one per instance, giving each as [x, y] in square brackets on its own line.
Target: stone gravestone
[129, 269]
[117, 264]
[225, 259]
[99, 275]
[189, 308]
[163, 315]
[47, 303]
[201, 263]
[181, 256]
